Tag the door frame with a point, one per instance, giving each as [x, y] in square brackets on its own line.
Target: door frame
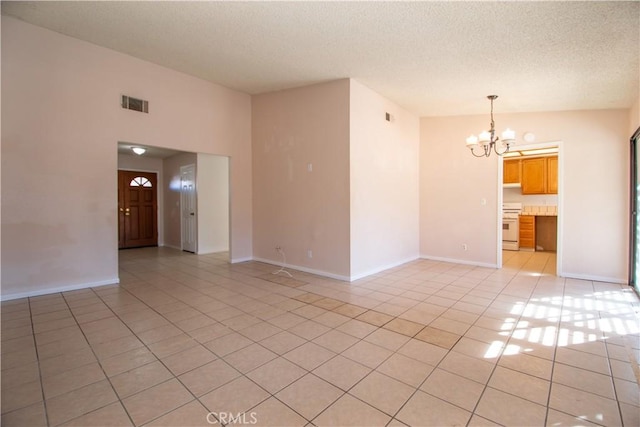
[559, 249]
[165, 184]
[159, 200]
[633, 209]
[195, 184]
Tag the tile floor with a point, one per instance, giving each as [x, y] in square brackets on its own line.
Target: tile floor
[190, 340]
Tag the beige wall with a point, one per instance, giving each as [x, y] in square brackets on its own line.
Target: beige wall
[59, 159]
[594, 184]
[453, 187]
[384, 183]
[294, 208]
[357, 209]
[634, 117]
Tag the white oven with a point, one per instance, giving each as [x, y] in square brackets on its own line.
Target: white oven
[510, 228]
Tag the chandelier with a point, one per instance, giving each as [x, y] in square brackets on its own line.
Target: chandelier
[488, 140]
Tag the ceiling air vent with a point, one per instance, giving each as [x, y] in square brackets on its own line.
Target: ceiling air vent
[135, 104]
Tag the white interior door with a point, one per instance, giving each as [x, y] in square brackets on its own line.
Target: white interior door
[188, 208]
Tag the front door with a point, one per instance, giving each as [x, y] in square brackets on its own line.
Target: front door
[137, 209]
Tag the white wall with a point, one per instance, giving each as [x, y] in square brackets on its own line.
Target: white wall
[515, 195]
[594, 179]
[59, 162]
[212, 184]
[384, 183]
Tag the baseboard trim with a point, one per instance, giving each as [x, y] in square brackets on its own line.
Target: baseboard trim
[56, 290]
[383, 268]
[243, 259]
[172, 246]
[322, 273]
[210, 251]
[459, 261]
[594, 278]
[304, 269]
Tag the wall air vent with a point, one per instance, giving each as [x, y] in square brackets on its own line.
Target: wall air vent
[135, 104]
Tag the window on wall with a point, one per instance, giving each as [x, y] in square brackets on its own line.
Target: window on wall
[140, 181]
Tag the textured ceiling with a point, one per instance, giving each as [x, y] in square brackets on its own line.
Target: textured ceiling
[433, 58]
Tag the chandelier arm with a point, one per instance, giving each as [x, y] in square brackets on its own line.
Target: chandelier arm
[484, 154]
[500, 153]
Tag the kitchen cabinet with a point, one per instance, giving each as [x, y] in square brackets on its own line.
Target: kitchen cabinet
[552, 175]
[540, 175]
[527, 232]
[538, 232]
[511, 171]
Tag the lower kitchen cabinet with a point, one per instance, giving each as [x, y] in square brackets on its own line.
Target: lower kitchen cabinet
[527, 232]
[538, 232]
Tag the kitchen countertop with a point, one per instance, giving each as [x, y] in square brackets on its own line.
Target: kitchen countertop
[539, 210]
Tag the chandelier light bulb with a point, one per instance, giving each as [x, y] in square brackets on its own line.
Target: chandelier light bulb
[508, 136]
[484, 137]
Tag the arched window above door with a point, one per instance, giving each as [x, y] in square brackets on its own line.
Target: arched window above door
[140, 181]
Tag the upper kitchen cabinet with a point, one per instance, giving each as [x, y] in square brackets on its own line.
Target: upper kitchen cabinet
[552, 175]
[511, 171]
[534, 176]
[540, 175]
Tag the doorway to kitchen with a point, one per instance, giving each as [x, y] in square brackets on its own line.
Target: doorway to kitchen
[530, 182]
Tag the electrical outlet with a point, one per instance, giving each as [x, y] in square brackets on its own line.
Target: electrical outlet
[278, 249]
[465, 247]
[309, 253]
